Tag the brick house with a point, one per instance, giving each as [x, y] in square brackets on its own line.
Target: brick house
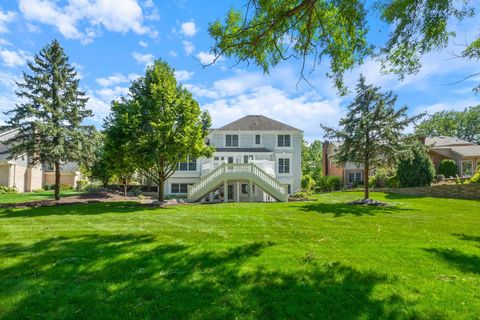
[465, 154]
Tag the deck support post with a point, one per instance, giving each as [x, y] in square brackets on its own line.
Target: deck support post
[237, 195]
[250, 191]
[225, 191]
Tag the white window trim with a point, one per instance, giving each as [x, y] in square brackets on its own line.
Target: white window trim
[255, 139]
[277, 165]
[225, 140]
[284, 134]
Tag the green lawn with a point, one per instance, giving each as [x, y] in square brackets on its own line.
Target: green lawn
[33, 196]
[417, 259]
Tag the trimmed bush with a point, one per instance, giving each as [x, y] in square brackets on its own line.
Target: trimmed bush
[7, 190]
[448, 168]
[328, 184]
[416, 172]
[308, 184]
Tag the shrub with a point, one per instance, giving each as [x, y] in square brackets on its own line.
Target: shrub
[82, 183]
[475, 178]
[329, 183]
[392, 182]
[308, 184]
[65, 186]
[383, 178]
[7, 190]
[440, 177]
[48, 187]
[301, 195]
[417, 171]
[448, 168]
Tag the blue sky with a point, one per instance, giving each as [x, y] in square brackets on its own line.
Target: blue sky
[111, 42]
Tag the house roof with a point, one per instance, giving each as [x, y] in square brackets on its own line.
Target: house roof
[443, 141]
[242, 150]
[257, 123]
[467, 151]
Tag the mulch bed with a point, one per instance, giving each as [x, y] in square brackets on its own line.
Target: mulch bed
[94, 197]
[368, 202]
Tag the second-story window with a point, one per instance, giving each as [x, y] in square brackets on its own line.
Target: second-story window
[190, 165]
[283, 140]
[258, 139]
[231, 140]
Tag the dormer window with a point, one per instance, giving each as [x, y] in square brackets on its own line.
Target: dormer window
[231, 140]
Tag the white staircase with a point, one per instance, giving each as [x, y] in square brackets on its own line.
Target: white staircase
[234, 172]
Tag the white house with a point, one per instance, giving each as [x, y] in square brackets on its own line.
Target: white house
[20, 173]
[256, 159]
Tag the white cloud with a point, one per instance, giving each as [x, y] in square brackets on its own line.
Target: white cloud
[146, 59]
[4, 42]
[205, 57]
[183, 75]
[5, 18]
[173, 53]
[143, 44]
[188, 46]
[33, 28]
[457, 105]
[116, 16]
[188, 29]
[116, 78]
[109, 94]
[14, 58]
[303, 111]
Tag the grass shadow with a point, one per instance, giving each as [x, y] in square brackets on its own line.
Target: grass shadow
[95, 208]
[131, 276]
[462, 236]
[462, 261]
[343, 209]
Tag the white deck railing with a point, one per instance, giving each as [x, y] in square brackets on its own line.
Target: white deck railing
[238, 171]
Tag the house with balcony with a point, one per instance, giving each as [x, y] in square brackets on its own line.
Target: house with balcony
[256, 159]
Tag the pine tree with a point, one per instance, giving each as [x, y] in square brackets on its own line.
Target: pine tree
[372, 131]
[50, 118]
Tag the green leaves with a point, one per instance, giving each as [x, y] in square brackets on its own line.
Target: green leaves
[464, 124]
[159, 125]
[267, 32]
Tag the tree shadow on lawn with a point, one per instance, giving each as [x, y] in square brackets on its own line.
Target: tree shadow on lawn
[461, 261]
[466, 237]
[129, 276]
[96, 208]
[343, 209]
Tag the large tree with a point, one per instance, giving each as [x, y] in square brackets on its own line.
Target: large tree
[164, 124]
[117, 144]
[267, 32]
[50, 117]
[461, 124]
[372, 132]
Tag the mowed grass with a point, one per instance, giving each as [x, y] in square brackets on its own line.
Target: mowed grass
[416, 259]
[33, 196]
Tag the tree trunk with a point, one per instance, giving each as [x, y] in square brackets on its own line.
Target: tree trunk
[57, 180]
[161, 195]
[125, 186]
[365, 182]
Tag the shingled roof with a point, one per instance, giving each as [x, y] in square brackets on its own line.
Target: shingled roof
[257, 123]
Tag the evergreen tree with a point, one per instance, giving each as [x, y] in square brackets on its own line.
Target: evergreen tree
[50, 118]
[162, 123]
[372, 131]
[416, 171]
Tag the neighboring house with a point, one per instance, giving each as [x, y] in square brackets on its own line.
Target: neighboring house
[350, 173]
[256, 159]
[25, 176]
[465, 154]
